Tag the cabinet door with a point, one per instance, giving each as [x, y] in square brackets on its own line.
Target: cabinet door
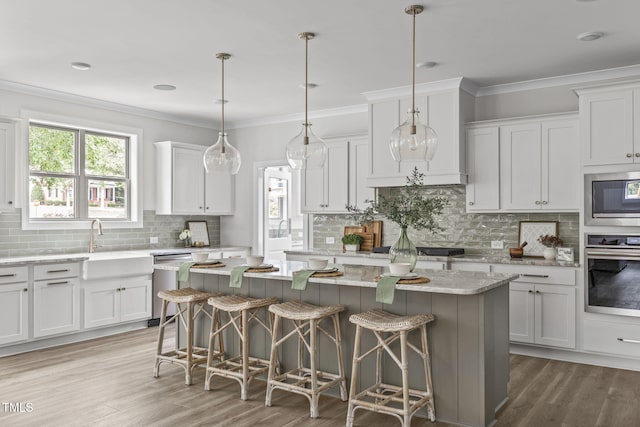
[135, 300]
[483, 164]
[101, 304]
[520, 166]
[7, 162]
[384, 118]
[188, 181]
[606, 121]
[56, 307]
[313, 198]
[220, 193]
[359, 166]
[521, 312]
[555, 315]
[560, 165]
[14, 312]
[636, 125]
[336, 174]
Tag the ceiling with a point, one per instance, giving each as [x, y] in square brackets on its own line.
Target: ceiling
[360, 46]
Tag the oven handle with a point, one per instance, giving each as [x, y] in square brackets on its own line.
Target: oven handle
[614, 254]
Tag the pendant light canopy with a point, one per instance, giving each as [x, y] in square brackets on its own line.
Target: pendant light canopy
[413, 140]
[222, 157]
[305, 150]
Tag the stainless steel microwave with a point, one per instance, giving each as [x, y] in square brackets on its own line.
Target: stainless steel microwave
[612, 199]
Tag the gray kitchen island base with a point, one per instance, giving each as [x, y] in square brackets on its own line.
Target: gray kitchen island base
[468, 340]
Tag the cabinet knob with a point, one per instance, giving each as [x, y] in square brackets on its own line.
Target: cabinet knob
[471, 203]
[11, 201]
[530, 291]
[207, 208]
[537, 292]
[199, 207]
[25, 290]
[637, 155]
[629, 155]
[537, 202]
[544, 202]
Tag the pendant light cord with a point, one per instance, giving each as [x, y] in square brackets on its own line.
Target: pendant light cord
[222, 148]
[413, 78]
[306, 89]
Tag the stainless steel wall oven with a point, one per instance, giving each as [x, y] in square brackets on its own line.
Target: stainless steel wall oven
[613, 274]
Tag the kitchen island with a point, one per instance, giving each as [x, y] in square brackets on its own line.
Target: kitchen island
[468, 340]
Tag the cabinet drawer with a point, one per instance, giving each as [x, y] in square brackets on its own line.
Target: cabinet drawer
[535, 274]
[54, 271]
[612, 338]
[14, 274]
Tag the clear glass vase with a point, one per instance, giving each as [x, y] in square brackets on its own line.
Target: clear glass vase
[404, 250]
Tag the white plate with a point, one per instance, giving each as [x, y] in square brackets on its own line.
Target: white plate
[209, 261]
[259, 266]
[402, 276]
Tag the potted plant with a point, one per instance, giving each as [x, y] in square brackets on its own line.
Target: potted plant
[352, 242]
[551, 243]
[408, 207]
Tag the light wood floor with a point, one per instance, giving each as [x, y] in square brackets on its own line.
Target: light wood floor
[108, 382]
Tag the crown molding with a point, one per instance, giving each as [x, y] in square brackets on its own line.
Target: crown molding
[566, 80]
[440, 85]
[97, 103]
[317, 114]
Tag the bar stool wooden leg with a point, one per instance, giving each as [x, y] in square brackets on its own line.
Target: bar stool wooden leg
[355, 369]
[244, 343]
[189, 334]
[338, 336]
[163, 321]
[213, 333]
[404, 367]
[431, 411]
[273, 360]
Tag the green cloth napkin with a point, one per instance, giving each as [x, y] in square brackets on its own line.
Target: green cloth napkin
[300, 278]
[235, 281]
[386, 288]
[183, 271]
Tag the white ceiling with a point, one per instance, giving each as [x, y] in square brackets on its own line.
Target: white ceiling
[360, 46]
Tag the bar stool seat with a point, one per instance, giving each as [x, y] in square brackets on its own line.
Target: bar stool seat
[309, 382]
[189, 356]
[401, 402]
[241, 310]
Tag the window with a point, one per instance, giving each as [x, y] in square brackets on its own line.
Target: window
[78, 174]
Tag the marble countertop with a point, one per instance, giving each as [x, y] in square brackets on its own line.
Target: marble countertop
[495, 259]
[442, 281]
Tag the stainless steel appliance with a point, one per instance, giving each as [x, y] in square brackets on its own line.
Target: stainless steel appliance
[612, 199]
[165, 280]
[613, 274]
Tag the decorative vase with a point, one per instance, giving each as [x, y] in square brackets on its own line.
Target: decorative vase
[351, 248]
[404, 250]
[549, 253]
[187, 242]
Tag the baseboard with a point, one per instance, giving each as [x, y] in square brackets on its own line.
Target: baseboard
[597, 359]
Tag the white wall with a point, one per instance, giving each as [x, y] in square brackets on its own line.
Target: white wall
[267, 143]
[558, 99]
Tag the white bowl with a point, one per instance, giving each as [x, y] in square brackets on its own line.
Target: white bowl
[400, 268]
[254, 260]
[200, 256]
[317, 263]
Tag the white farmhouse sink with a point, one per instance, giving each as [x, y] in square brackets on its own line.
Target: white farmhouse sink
[105, 265]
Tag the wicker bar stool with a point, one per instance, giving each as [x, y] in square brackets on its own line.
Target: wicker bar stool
[401, 402]
[241, 310]
[192, 302]
[309, 382]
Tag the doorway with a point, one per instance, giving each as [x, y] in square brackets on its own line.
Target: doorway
[282, 221]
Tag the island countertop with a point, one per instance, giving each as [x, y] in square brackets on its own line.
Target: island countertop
[441, 281]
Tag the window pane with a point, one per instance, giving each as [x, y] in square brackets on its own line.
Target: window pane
[107, 199]
[51, 150]
[105, 155]
[51, 197]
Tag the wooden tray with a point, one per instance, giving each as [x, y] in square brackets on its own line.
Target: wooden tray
[415, 281]
[262, 270]
[375, 227]
[209, 265]
[328, 274]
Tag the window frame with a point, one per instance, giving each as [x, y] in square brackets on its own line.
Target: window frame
[133, 164]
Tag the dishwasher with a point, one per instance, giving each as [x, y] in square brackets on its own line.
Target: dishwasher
[165, 280]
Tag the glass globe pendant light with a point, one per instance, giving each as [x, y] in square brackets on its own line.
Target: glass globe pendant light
[305, 150]
[222, 157]
[413, 140]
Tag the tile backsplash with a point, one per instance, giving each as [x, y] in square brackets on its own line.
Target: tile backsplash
[473, 232]
[15, 242]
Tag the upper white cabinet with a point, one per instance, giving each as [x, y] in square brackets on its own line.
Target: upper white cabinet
[7, 161]
[342, 179]
[445, 108]
[610, 124]
[183, 186]
[483, 158]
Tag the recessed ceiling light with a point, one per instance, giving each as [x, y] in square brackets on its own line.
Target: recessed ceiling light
[589, 36]
[164, 87]
[221, 101]
[426, 64]
[309, 85]
[82, 66]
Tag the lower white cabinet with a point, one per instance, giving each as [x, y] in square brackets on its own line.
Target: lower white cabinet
[56, 306]
[116, 301]
[14, 312]
[542, 314]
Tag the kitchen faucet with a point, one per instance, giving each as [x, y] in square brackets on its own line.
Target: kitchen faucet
[286, 221]
[92, 245]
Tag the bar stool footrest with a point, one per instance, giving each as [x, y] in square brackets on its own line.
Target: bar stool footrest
[232, 368]
[379, 398]
[301, 378]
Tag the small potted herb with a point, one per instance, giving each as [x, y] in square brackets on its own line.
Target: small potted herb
[352, 242]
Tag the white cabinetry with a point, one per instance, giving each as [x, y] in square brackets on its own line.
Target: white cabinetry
[183, 187]
[116, 301]
[444, 108]
[483, 158]
[56, 299]
[542, 305]
[14, 304]
[610, 124]
[359, 167]
[7, 162]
